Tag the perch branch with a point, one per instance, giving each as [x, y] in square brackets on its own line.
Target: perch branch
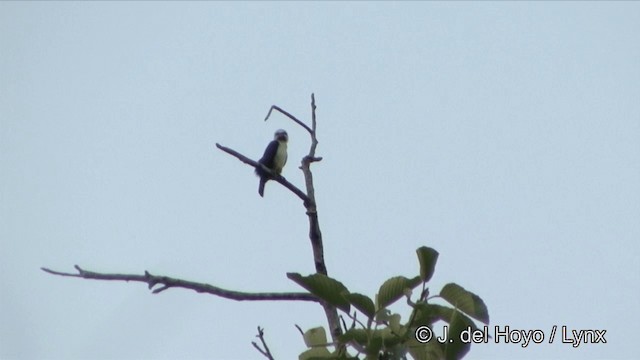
[314, 226]
[278, 178]
[265, 349]
[166, 282]
[315, 236]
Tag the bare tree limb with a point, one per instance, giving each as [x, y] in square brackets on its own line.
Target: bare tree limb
[265, 349]
[275, 177]
[275, 107]
[164, 282]
[169, 282]
[312, 212]
[315, 236]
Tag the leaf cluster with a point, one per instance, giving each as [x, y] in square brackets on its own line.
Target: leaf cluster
[382, 334]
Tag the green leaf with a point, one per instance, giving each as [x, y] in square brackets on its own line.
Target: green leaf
[456, 349]
[468, 302]
[427, 314]
[383, 315]
[431, 350]
[394, 323]
[394, 288]
[358, 336]
[324, 287]
[316, 354]
[428, 258]
[315, 337]
[371, 341]
[453, 348]
[362, 303]
[374, 345]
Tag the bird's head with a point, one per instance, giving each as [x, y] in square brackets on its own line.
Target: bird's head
[281, 135]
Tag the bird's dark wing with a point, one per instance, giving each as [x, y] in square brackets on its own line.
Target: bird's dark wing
[267, 158]
[269, 154]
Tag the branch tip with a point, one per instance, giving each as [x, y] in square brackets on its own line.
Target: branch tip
[309, 159]
[265, 349]
[159, 290]
[293, 118]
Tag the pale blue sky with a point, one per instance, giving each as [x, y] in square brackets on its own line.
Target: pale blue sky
[505, 135]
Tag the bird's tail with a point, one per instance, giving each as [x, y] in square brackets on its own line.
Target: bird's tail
[263, 181]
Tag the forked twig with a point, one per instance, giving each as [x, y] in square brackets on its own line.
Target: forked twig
[265, 349]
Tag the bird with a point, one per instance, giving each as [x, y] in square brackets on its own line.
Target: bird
[274, 158]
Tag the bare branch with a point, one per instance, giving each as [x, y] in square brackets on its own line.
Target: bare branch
[315, 236]
[314, 139]
[274, 107]
[314, 227]
[309, 159]
[265, 349]
[310, 204]
[275, 177]
[169, 282]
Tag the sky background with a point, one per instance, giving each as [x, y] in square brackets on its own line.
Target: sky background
[505, 135]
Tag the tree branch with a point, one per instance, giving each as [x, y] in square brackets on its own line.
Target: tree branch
[265, 349]
[169, 282]
[312, 212]
[275, 177]
[162, 283]
[275, 107]
[315, 236]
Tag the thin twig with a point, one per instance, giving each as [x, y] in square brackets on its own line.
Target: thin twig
[314, 123]
[169, 282]
[275, 107]
[353, 317]
[265, 349]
